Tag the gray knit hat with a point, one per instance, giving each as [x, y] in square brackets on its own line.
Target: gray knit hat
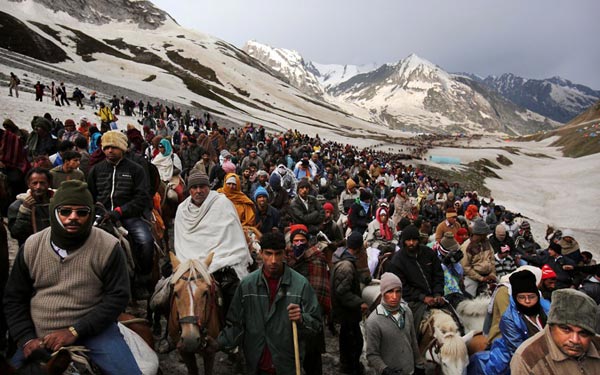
[449, 243]
[388, 282]
[480, 227]
[197, 178]
[570, 306]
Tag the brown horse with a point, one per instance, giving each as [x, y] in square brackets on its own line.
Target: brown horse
[194, 312]
[169, 200]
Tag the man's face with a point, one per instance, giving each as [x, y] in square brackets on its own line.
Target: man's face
[246, 173]
[571, 340]
[550, 283]
[392, 297]
[73, 217]
[38, 184]
[70, 128]
[328, 214]
[252, 154]
[71, 165]
[261, 202]
[199, 194]
[272, 262]
[451, 220]
[205, 158]
[411, 245]
[113, 154]
[262, 178]
[303, 192]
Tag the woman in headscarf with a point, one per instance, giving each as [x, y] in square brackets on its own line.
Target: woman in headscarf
[244, 206]
[381, 240]
[169, 167]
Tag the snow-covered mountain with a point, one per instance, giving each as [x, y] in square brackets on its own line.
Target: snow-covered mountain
[556, 98]
[411, 95]
[289, 64]
[131, 48]
[331, 75]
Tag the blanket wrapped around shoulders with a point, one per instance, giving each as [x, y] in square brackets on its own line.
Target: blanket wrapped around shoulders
[214, 226]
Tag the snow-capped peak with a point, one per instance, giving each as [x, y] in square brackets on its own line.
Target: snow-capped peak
[289, 64]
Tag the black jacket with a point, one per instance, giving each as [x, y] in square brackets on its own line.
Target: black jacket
[311, 217]
[421, 276]
[345, 287]
[123, 185]
[358, 218]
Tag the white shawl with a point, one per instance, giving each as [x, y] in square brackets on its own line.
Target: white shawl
[214, 226]
[164, 164]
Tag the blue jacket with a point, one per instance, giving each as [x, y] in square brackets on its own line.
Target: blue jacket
[514, 332]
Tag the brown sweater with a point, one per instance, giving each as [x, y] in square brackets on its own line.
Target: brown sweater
[66, 290]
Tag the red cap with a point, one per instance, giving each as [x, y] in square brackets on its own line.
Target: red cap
[548, 272]
[328, 206]
[298, 229]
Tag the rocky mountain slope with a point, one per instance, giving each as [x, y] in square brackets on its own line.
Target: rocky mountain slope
[144, 51]
[556, 98]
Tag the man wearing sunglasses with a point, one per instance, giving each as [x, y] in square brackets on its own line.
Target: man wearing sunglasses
[68, 285]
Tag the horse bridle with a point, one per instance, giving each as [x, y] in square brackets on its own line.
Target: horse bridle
[208, 306]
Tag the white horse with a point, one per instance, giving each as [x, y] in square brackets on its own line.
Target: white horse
[445, 347]
[473, 311]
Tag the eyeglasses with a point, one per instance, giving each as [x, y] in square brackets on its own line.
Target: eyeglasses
[530, 297]
[80, 212]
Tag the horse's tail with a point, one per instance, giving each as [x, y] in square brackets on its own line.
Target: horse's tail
[454, 347]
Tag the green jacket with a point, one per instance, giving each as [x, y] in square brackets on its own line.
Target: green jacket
[252, 324]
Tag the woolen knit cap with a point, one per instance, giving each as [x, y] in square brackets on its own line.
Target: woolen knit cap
[556, 247]
[548, 272]
[75, 193]
[410, 233]
[298, 229]
[522, 282]
[350, 183]
[480, 227]
[388, 282]
[448, 242]
[570, 306]
[355, 241]
[328, 206]
[197, 178]
[260, 191]
[116, 139]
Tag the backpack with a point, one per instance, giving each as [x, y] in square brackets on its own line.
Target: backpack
[17, 80]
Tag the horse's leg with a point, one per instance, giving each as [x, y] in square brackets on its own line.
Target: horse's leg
[189, 359]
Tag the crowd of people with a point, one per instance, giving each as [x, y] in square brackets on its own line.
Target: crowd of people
[332, 217]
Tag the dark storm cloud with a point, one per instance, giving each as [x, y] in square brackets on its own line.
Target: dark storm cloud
[533, 39]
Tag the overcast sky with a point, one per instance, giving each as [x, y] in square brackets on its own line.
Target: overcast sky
[530, 38]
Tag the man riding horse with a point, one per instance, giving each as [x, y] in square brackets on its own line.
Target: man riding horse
[68, 285]
[207, 221]
[121, 185]
[421, 273]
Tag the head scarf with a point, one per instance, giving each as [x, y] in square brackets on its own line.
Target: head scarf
[167, 145]
[384, 229]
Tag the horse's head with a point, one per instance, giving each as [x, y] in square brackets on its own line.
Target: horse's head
[452, 356]
[193, 291]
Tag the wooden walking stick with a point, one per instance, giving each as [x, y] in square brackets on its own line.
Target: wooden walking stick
[296, 346]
